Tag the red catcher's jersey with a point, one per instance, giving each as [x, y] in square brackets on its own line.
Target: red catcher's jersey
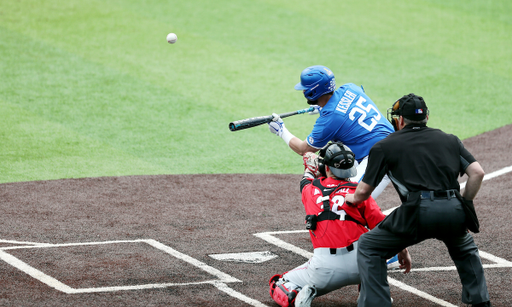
[337, 233]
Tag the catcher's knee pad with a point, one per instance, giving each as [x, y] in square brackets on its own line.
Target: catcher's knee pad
[279, 293]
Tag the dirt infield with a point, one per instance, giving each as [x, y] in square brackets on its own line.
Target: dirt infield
[149, 240]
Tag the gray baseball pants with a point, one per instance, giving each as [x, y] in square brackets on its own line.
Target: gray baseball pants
[326, 271]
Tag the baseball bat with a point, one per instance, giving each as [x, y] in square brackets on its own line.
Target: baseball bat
[256, 121]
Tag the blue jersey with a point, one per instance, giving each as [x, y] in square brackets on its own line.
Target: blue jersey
[352, 118]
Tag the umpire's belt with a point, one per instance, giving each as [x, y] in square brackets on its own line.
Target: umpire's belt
[446, 194]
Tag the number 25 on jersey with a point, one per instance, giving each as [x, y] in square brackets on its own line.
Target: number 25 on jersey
[366, 111]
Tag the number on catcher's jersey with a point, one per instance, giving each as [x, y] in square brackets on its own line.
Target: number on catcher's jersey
[337, 202]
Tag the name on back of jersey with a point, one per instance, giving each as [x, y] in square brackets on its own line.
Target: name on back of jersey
[345, 101]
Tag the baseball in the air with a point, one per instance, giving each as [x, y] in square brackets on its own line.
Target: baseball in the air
[172, 38]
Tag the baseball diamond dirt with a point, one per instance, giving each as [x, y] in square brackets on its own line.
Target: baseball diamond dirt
[163, 240]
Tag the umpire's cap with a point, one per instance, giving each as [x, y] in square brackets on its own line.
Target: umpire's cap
[412, 107]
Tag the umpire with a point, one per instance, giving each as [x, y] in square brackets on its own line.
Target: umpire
[423, 164]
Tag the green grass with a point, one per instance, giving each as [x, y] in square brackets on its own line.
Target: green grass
[91, 88]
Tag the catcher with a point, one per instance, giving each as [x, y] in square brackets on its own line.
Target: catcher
[334, 229]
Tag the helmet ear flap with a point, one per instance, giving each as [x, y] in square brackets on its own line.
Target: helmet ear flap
[321, 159]
[321, 167]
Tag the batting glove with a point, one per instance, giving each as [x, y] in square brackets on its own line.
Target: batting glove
[316, 111]
[276, 126]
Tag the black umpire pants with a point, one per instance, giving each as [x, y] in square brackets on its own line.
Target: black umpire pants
[442, 219]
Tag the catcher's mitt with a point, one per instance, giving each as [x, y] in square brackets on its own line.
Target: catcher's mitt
[311, 163]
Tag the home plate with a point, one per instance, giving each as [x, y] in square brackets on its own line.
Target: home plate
[254, 257]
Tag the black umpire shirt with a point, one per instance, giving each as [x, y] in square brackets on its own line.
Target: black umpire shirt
[418, 158]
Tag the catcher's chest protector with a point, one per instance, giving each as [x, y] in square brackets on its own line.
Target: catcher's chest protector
[327, 214]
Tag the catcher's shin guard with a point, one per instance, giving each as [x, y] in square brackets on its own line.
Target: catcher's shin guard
[280, 294]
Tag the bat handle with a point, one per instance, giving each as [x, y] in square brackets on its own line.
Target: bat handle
[310, 109]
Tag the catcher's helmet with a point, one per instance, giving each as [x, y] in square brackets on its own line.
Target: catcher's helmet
[316, 81]
[340, 159]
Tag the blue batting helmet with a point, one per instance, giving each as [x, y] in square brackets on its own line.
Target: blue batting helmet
[316, 81]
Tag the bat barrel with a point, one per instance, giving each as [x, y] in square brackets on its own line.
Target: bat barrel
[249, 123]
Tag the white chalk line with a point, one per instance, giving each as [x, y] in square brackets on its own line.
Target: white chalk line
[419, 293]
[492, 175]
[47, 245]
[35, 273]
[498, 263]
[223, 287]
[23, 242]
[219, 283]
[268, 236]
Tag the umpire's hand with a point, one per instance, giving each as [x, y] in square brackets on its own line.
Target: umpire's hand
[404, 258]
[349, 200]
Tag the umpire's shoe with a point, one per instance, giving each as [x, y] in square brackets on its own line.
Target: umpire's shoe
[305, 296]
[484, 304]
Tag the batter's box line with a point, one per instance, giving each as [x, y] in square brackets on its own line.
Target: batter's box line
[23, 243]
[498, 263]
[56, 284]
[269, 237]
[220, 283]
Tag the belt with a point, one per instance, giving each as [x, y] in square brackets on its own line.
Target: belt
[446, 194]
[348, 249]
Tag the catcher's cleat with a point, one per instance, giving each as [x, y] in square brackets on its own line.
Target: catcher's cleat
[305, 296]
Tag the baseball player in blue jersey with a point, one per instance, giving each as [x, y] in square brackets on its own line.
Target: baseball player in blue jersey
[347, 115]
